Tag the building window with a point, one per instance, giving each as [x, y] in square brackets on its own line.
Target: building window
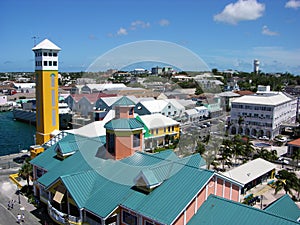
[45, 63]
[169, 129]
[111, 143]
[55, 54]
[53, 98]
[172, 128]
[136, 140]
[50, 54]
[128, 218]
[131, 111]
[53, 117]
[45, 54]
[50, 63]
[53, 80]
[54, 63]
[169, 107]
[156, 131]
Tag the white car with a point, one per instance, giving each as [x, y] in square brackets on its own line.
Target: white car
[263, 138]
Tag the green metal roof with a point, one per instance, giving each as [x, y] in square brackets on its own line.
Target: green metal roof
[217, 210]
[124, 124]
[124, 101]
[284, 207]
[67, 147]
[166, 202]
[101, 185]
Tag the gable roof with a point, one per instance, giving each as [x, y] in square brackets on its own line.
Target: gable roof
[217, 210]
[155, 106]
[46, 44]
[250, 170]
[153, 121]
[284, 207]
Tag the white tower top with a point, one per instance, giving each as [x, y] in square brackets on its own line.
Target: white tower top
[46, 55]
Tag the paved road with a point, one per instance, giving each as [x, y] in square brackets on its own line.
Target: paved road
[8, 190]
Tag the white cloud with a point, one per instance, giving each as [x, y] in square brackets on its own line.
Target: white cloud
[164, 22]
[294, 4]
[122, 31]
[239, 11]
[139, 23]
[267, 31]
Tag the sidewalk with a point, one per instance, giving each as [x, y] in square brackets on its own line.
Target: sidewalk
[8, 192]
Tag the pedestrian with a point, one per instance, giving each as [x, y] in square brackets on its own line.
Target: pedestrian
[8, 205]
[23, 217]
[18, 218]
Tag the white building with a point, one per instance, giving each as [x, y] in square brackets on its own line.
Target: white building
[262, 114]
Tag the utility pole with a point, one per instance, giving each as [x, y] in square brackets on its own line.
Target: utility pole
[34, 40]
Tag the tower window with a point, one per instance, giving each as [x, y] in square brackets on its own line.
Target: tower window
[111, 143]
[50, 54]
[52, 80]
[45, 54]
[50, 63]
[136, 140]
[54, 63]
[54, 54]
[45, 63]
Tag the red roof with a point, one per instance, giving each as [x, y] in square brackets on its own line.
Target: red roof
[295, 142]
[93, 97]
[242, 93]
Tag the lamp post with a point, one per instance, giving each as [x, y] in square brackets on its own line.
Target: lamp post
[19, 199]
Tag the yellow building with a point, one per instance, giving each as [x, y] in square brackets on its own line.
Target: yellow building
[46, 74]
[159, 130]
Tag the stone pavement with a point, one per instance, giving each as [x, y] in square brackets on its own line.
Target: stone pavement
[8, 192]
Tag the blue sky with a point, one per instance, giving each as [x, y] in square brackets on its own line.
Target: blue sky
[225, 34]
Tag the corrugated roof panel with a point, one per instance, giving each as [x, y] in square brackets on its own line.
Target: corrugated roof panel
[159, 204]
[284, 207]
[217, 210]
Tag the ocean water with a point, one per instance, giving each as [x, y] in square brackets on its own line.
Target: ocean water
[14, 135]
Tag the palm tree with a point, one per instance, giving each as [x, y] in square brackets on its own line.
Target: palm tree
[296, 155]
[226, 153]
[237, 147]
[26, 171]
[249, 148]
[287, 181]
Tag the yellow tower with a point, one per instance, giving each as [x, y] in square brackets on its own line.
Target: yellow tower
[46, 76]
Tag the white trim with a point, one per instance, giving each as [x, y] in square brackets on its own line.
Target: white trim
[216, 186]
[223, 191]
[184, 217]
[196, 205]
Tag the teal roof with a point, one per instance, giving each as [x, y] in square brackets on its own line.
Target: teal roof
[217, 210]
[124, 101]
[181, 182]
[124, 124]
[67, 147]
[284, 207]
[101, 185]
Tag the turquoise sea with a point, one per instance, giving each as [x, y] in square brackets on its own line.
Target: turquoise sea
[14, 135]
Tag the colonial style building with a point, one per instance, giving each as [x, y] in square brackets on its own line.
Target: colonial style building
[111, 180]
[262, 114]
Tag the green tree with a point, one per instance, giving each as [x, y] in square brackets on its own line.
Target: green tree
[26, 171]
[287, 181]
[296, 156]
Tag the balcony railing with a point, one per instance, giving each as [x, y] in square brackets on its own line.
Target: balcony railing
[61, 217]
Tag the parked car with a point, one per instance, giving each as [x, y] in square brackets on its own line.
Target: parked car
[263, 138]
[18, 160]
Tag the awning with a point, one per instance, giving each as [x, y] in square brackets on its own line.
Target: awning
[59, 194]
